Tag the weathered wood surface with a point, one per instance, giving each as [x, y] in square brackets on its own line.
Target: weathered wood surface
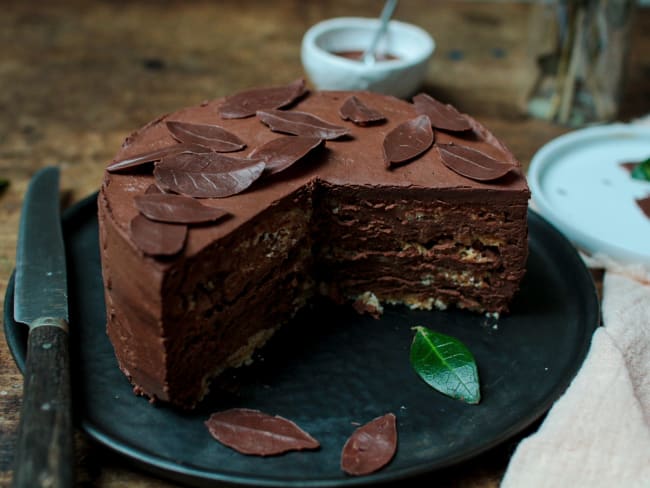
[77, 76]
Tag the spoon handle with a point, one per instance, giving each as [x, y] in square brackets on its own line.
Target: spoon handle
[386, 13]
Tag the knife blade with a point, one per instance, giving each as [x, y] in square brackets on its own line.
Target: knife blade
[43, 455]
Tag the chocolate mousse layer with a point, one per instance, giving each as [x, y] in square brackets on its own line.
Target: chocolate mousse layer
[307, 199]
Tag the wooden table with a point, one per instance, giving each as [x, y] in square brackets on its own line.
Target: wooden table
[76, 77]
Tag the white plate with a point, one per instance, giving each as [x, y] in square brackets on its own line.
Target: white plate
[578, 184]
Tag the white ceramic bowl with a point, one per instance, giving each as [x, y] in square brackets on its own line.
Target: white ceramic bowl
[399, 77]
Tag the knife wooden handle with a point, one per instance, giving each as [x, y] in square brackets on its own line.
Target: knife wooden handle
[44, 450]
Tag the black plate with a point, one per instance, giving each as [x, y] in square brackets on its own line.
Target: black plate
[331, 369]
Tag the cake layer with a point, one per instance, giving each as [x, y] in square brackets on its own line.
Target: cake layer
[438, 253]
[338, 222]
[233, 309]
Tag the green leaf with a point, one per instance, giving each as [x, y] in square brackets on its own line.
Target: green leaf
[642, 171]
[445, 364]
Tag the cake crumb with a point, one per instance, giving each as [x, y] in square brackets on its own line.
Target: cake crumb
[491, 320]
[368, 302]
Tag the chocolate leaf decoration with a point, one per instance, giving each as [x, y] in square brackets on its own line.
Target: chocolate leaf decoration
[176, 209]
[644, 205]
[212, 175]
[215, 160]
[408, 140]
[370, 447]
[301, 124]
[280, 153]
[472, 163]
[641, 171]
[355, 110]
[257, 433]
[247, 103]
[4, 184]
[479, 132]
[212, 136]
[154, 155]
[445, 364]
[442, 116]
[157, 238]
[628, 166]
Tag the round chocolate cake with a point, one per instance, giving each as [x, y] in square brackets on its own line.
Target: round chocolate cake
[220, 221]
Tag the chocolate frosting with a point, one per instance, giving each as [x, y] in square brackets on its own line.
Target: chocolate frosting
[357, 161]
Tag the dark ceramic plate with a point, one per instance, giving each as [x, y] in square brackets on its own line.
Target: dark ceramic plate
[331, 369]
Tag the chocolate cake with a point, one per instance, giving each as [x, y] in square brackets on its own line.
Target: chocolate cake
[220, 221]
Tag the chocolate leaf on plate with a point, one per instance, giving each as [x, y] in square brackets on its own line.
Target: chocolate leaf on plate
[212, 136]
[176, 209]
[211, 175]
[445, 364]
[247, 103]
[370, 447]
[157, 238]
[355, 110]
[408, 140]
[472, 163]
[644, 205]
[154, 155]
[256, 433]
[628, 166]
[280, 153]
[442, 116]
[301, 124]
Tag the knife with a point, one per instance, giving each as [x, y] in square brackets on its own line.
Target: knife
[43, 455]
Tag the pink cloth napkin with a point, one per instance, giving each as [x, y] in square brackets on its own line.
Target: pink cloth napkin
[598, 433]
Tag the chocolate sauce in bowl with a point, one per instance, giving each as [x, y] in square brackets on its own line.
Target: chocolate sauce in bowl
[357, 55]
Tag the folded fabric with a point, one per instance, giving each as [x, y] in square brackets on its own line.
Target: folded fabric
[598, 433]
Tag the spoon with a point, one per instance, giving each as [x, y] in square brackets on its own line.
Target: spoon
[386, 13]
